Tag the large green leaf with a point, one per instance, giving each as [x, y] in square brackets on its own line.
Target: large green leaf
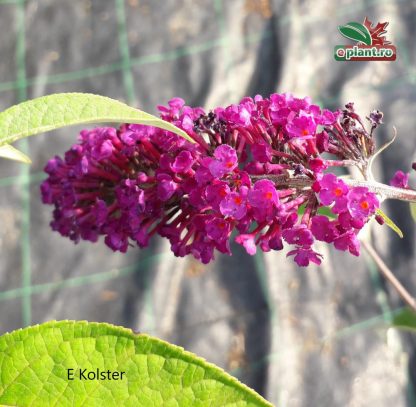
[34, 365]
[356, 32]
[65, 109]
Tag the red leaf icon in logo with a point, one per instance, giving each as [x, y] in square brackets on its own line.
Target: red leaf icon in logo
[377, 32]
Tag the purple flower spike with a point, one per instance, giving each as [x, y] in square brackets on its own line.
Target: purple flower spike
[253, 167]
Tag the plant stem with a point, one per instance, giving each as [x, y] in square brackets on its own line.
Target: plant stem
[390, 277]
[341, 163]
[385, 191]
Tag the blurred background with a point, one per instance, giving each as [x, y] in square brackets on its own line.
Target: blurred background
[300, 337]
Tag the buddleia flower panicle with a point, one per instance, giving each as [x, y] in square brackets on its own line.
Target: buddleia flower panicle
[259, 170]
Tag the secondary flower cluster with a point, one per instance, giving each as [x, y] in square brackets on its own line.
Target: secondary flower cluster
[255, 168]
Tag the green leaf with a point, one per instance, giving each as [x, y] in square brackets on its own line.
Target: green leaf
[65, 109]
[389, 223]
[413, 210]
[11, 153]
[34, 365]
[405, 319]
[326, 211]
[356, 32]
[322, 210]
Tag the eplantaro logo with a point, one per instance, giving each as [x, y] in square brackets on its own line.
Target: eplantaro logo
[371, 43]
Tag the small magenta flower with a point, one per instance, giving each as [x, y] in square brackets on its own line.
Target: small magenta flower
[166, 187]
[299, 235]
[272, 239]
[247, 241]
[261, 152]
[263, 194]
[376, 118]
[235, 204]
[174, 109]
[183, 162]
[348, 241]
[323, 229]
[328, 117]
[317, 165]
[117, 242]
[218, 229]
[301, 126]
[400, 180]
[303, 256]
[214, 193]
[347, 221]
[225, 161]
[362, 203]
[332, 190]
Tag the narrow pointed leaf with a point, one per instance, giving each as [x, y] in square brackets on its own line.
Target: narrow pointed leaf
[11, 153]
[356, 32]
[390, 223]
[65, 109]
[34, 365]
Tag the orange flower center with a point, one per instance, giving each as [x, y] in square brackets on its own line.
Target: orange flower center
[238, 200]
[268, 195]
[229, 164]
[223, 192]
[305, 132]
[337, 191]
[364, 205]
